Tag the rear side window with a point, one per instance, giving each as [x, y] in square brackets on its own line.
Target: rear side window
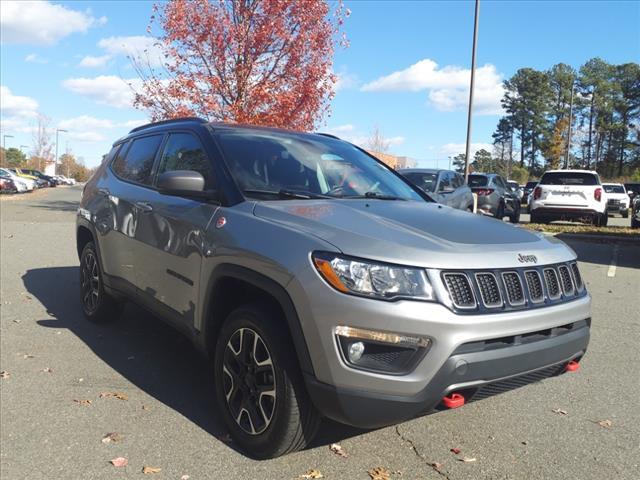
[458, 181]
[136, 166]
[614, 188]
[445, 182]
[424, 181]
[183, 151]
[569, 178]
[477, 181]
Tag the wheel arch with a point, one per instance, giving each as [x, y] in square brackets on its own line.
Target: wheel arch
[231, 286]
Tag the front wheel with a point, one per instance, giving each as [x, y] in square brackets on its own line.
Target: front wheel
[259, 387]
[515, 216]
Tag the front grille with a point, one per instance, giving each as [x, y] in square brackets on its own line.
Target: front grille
[553, 286]
[565, 278]
[513, 287]
[512, 383]
[613, 202]
[577, 277]
[460, 290]
[498, 290]
[489, 290]
[534, 285]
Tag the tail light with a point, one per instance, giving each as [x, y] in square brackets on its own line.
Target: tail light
[537, 193]
[482, 191]
[597, 194]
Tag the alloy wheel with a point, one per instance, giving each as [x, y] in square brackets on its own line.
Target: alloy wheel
[249, 381]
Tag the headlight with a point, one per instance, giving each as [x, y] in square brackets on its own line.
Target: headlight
[371, 279]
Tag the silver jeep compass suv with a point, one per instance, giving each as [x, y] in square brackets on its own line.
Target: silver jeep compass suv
[318, 282]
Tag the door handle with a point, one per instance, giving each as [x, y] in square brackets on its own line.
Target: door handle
[143, 206]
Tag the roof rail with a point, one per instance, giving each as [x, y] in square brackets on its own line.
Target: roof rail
[171, 120]
[330, 135]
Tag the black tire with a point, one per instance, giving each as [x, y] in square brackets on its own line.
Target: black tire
[601, 219]
[97, 305]
[292, 418]
[635, 223]
[515, 216]
[535, 218]
[625, 213]
[500, 212]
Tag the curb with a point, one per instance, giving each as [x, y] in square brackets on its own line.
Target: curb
[600, 238]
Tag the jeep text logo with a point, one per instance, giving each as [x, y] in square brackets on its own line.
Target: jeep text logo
[527, 258]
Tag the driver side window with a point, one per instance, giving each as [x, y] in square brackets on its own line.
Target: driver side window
[183, 151]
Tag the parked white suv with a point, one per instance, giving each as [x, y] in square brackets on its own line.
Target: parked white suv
[569, 195]
[617, 199]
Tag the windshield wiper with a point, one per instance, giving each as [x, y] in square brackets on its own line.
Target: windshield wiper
[285, 193]
[377, 196]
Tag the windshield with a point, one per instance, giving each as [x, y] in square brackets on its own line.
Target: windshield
[613, 188]
[478, 181]
[423, 180]
[271, 162]
[569, 178]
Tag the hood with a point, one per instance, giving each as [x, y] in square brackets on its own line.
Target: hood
[414, 233]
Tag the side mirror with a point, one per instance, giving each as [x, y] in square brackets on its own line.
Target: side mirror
[182, 182]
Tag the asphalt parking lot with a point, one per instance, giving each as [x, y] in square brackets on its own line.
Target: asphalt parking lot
[53, 417]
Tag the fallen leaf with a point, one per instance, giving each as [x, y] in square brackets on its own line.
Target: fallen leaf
[185, 477]
[311, 474]
[559, 411]
[436, 465]
[84, 402]
[145, 407]
[338, 450]
[456, 450]
[47, 370]
[81, 380]
[147, 470]
[605, 423]
[28, 355]
[112, 437]
[120, 462]
[467, 459]
[14, 320]
[119, 396]
[525, 442]
[4, 374]
[379, 473]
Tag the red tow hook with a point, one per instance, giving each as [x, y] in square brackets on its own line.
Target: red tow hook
[572, 366]
[454, 400]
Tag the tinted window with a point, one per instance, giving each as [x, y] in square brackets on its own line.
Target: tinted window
[274, 161]
[458, 181]
[136, 166]
[183, 151]
[445, 182]
[499, 182]
[613, 188]
[477, 181]
[424, 181]
[569, 178]
[531, 184]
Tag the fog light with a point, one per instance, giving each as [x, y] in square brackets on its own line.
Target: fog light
[355, 351]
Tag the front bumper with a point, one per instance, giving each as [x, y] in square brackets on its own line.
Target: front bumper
[477, 374]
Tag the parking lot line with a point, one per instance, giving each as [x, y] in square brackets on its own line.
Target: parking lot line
[614, 261]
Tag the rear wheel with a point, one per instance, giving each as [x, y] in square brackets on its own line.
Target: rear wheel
[97, 305]
[625, 213]
[259, 387]
[515, 216]
[500, 211]
[601, 219]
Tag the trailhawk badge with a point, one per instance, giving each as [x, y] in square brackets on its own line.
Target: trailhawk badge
[527, 258]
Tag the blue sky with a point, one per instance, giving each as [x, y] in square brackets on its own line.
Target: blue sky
[406, 69]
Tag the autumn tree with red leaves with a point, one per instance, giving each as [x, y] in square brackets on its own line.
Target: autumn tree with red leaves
[261, 62]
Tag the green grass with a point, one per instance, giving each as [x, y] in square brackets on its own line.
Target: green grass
[583, 229]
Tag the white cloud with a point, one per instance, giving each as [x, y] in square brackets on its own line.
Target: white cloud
[448, 86]
[35, 58]
[105, 89]
[16, 106]
[137, 46]
[351, 134]
[337, 130]
[94, 62]
[345, 81]
[85, 122]
[39, 22]
[395, 140]
[453, 149]
[86, 128]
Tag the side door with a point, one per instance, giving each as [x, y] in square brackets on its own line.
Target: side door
[507, 196]
[445, 189]
[171, 243]
[120, 191]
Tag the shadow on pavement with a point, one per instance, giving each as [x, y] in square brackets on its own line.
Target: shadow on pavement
[627, 256]
[165, 364]
[61, 205]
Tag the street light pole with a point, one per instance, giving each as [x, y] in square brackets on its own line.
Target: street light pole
[4, 146]
[566, 154]
[55, 166]
[473, 78]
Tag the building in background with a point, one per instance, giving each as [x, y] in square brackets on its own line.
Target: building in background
[394, 161]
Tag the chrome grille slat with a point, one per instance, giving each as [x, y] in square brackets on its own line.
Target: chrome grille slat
[513, 288]
[460, 290]
[534, 285]
[566, 280]
[552, 283]
[577, 278]
[489, 289]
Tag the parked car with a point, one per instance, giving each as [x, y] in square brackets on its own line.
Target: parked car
[51, 181]
[7, 185]
[350, 296]
[516, 189]
[617, 199]
[39, 183]
[635, 212]
[22, 184]
[444, 186]
[66, 180]
[494, 196]
[575, 195]
[633, 189]
[528, 190]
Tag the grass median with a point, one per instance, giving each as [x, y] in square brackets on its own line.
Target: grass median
[613, 231]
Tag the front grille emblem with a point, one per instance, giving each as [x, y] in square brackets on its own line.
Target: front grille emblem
[527, 258]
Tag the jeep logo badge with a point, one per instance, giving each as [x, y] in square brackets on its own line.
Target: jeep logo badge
[527, 258]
